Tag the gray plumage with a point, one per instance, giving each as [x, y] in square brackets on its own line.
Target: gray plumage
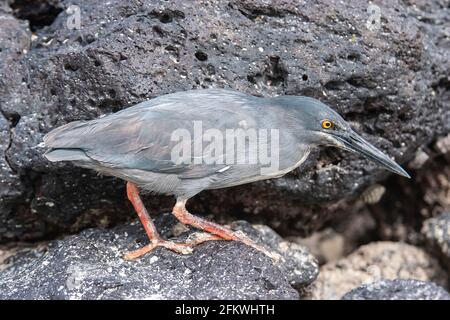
[135, 144]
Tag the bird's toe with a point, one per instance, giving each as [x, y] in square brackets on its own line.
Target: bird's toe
[183, 248]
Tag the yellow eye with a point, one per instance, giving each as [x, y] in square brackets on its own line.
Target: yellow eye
[327, 124]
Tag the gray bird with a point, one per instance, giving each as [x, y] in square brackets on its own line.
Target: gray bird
[157, 146]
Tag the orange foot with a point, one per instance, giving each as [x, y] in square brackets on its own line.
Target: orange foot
[183, 248]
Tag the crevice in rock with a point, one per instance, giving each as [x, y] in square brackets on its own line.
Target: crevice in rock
[275, 71]
[13, 120]
[442, 85]
[334, 85]
[38, 13]
[201, 56]
[110, 104]
[251, 11]
[428, 195]
[272, 72]
[354, 81]
[167, 16]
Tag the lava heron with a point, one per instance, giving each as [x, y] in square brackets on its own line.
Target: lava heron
[173, 145]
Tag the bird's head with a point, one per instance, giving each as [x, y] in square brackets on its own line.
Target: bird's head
[320, 125]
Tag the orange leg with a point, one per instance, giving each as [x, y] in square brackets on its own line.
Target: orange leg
[185, 217]
[150, 229]
[215, 231]
[152, 233]
[135, 199]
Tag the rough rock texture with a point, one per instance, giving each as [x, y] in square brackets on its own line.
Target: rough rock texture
[437, 233]
[399, 289]
[90, 266]
[342, 237]
[402, 210]
[326, 245]
[392, 82]
[375, 262]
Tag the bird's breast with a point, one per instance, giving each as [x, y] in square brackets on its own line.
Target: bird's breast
[284, 170]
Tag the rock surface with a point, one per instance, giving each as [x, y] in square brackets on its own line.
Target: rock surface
[374, 262]
[401, 213]
[399, 289]
[342, 237]
[437, 233]
[90, 266]
[130, 51]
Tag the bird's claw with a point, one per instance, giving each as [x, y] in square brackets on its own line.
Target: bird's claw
[199, 237]
[249, 242]
[183, 248]
[195, 239]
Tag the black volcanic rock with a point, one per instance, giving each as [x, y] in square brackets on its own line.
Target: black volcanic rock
[399, 289]
[90, 266]
[392, 83]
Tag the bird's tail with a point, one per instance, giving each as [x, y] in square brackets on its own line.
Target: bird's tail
[64, 143]
[54, 138]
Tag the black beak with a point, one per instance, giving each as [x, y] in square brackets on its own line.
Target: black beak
[351, 141]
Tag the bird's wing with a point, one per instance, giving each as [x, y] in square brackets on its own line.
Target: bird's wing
[140, 137]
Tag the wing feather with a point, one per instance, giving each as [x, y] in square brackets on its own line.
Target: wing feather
[139, 137]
